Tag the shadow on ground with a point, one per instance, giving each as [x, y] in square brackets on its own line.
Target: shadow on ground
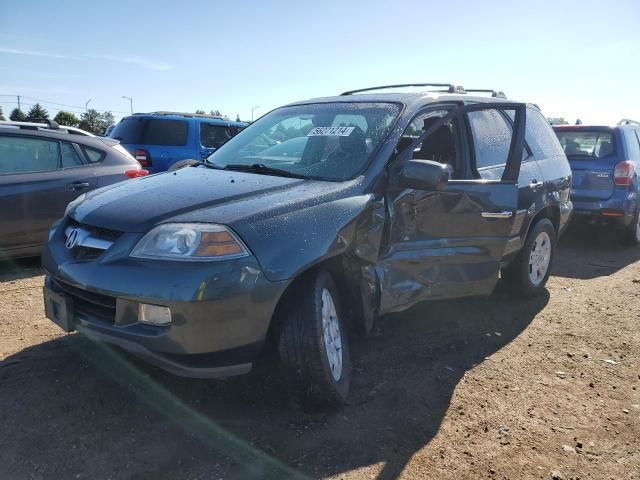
[71, 407]
[587, 252]
[17, 269]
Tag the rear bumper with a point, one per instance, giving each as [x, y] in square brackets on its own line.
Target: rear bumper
[618, 208]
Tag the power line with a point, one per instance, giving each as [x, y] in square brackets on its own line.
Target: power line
[56, 104]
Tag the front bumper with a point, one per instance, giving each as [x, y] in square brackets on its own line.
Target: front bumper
[221, 311]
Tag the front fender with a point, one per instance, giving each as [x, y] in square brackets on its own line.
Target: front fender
[290, 243]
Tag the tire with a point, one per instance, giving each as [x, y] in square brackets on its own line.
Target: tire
[316, 359]
[630, 234]
[526, 275]
[181, 164]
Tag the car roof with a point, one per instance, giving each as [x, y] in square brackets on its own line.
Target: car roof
[184, 116]
[54, 127]
[625, 123]
[413, 101]
[59, 134]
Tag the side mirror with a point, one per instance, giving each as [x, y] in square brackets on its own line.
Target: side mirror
[424, 175]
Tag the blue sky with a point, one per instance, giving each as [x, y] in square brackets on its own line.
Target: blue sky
[573, 58]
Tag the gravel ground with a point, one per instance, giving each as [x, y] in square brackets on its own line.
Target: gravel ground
[476, 388]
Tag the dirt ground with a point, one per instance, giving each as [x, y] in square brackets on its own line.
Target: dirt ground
[476, 388]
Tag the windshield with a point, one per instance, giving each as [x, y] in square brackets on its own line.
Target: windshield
[586, 144]
[330, 141]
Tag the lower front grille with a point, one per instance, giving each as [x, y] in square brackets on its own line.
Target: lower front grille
[88, 304]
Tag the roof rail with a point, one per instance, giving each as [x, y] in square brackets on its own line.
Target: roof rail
[494, 93]
[450, 87]
[627, 121]
[185, 114]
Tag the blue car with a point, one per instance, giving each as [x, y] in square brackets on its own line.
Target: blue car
[605, 162]
[159, 140]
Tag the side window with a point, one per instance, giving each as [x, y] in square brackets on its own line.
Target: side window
[491, 142]
[213, 136]
[70, 157]
[540, 136]
[441, 146]
[633, 149]
[25, 155]
[93, 155]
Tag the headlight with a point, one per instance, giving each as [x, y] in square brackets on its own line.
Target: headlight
[190, 242]
[74, 203]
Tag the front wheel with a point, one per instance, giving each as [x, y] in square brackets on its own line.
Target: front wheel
[529, 272]
[313, 343]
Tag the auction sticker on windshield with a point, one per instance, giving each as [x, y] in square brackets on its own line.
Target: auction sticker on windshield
[330, 132]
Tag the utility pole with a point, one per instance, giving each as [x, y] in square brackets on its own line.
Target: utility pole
[18, 102]
[252, 110]
[130, 102]
[86, 106]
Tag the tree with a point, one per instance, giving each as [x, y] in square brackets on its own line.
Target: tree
[215, 112]
[1, 115]
[200, 112]
[37, 114]
[66, 118]
[238, 118]
[107, 119]
[17, 115]
[91, 121]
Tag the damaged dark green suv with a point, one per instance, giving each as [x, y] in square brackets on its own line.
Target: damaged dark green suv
[313, 221]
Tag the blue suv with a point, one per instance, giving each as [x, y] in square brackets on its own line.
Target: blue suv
[160, 139]
[605, 162]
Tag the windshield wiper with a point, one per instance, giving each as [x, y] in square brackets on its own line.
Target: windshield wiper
[262, 168]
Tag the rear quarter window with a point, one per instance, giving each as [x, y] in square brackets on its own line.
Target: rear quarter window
[633, 147]
[93, 155]
[540, 136]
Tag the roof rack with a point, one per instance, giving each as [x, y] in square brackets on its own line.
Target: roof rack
[494, 93]
[45, 125]
[627, 121]
[185, 114]
[450, 88]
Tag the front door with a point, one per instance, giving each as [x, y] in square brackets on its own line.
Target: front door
[450, 243]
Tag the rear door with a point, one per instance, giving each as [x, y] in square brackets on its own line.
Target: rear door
[593, 153]
[450, 243]
[33, 189]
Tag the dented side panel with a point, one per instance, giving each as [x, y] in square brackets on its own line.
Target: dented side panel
[440, 245]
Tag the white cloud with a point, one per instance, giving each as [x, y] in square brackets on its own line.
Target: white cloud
[15, 51]
[135, 60]
[131, 59]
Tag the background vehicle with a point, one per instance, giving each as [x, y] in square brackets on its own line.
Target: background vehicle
[605, 162]
[42, 169]
[394, 198]
[160, 139]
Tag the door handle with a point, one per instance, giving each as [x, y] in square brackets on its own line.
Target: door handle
[534, 185]
[505, 214]
[78, 185]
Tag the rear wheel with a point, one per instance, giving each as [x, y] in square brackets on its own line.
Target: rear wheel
[630, 235]
[313, 343]
[529, 272]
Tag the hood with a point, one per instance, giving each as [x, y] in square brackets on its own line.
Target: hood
[198, 195]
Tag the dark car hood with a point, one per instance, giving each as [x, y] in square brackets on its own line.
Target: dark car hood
[198, 195]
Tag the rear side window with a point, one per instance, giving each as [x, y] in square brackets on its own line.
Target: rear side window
[540, 136]
[213, 136]
[93, 155]
[151, 131]
[70, 157]
[633, 148]
[26, 155]
[491, 142]
[586, 144]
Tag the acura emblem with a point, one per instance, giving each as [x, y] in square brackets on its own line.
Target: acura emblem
[72, 239]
